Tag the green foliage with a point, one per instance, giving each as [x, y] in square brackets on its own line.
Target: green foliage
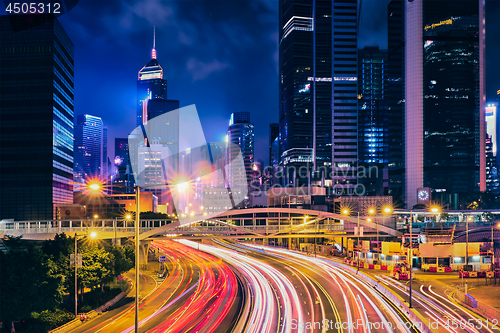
[153, 215]
[16, 244]
[48, 320]
[123, 258]
[33, 280]
[30, 283]
[97, 266]
[419, 206]
[96, 298]
[488, 216]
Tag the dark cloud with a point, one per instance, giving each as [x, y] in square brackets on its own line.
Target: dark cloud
[220, 55]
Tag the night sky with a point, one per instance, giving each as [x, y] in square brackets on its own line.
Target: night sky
[221, 56]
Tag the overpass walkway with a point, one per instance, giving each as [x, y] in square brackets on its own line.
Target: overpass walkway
[236, 223]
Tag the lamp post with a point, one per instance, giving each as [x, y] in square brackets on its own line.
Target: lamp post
[493, 247]
[92, 235]
[98, 187]
[137, 221]
[372, 211]
[410, 259]
[469, 218]
[346, 211]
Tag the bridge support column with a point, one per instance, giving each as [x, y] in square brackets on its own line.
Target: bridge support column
[143, 254]
[290, 243]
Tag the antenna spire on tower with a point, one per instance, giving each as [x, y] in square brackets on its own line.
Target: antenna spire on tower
[153, 52]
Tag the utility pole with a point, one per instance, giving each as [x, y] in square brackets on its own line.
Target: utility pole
[137, 222]
[359, 231]
[411, 255]
[76, 275]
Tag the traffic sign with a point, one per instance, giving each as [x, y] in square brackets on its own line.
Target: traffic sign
[72, 260]
[162, 259]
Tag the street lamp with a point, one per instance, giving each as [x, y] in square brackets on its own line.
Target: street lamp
[93, 234]
[98, 187]
[469, 219]
[492, 246]
[386, 211]
[346, 211]
[372, 211]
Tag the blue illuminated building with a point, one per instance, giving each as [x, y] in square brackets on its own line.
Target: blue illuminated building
[36, 111]
[88, 148]
[318, 92]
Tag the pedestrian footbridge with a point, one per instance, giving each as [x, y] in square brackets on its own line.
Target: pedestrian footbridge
[236, 223]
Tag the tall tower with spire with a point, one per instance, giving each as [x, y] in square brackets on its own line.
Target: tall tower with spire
[150, 85]
[152, 102]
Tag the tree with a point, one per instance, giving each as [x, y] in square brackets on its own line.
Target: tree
[29, 283]
[445, 216]
[123, 259]
[59, 250]
[97, 266]
[153, 215]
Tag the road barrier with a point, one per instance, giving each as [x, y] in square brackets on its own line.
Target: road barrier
[477, 306]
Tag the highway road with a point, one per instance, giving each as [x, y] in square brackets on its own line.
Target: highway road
[235, 287]
[434, 307]
[200, 294]
[306, 294]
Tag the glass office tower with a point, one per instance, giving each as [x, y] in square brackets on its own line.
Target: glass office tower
[373, 118]
[36, 110]
[318, 91]
[241, 135]
[445, 97]
[88, 148]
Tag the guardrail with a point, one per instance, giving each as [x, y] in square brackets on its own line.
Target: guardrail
[31, 228]
[477, 306]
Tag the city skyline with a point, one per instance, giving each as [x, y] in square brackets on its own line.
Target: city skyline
[317, 165]
[196, 64]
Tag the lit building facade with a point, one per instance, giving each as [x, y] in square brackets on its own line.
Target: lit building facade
[318, 91]
[240, 138]
[394, 97]
[373, 118]
[36, 108]
[88, 154]
[121, 163]
[163, 132]
[492, 125]
[492, 180]
[445, 97]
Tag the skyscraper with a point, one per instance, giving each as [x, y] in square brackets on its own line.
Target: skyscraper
[105, 171]
[88, 157]
[241, 134]
[274, 132]
[36, 110]
[445, 96]
[122, 164]
[318, 90]
[151, 87]
[373, 118]
[395, 96]
[162, 132]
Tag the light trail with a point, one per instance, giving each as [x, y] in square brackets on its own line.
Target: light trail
[263, 280]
